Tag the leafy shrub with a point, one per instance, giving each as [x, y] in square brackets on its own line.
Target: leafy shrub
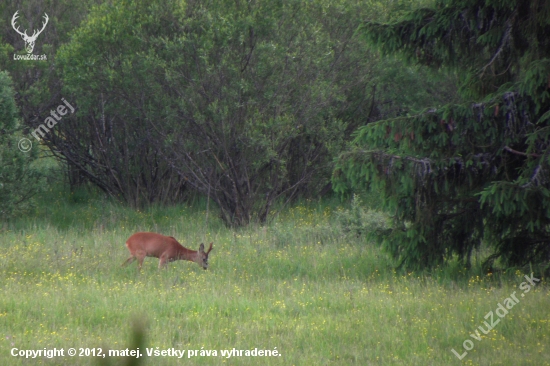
[360, 221]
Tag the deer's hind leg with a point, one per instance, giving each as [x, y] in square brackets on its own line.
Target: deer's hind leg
[129, 260]
[140, 257]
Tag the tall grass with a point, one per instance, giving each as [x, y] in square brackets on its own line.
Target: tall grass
[301, 284]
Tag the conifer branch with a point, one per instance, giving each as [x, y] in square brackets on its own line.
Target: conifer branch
[502, 44]
[535, 178]
[509, 149]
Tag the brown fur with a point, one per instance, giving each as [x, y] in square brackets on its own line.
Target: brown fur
[166, 248]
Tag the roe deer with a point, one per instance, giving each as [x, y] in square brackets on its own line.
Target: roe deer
[166, 248]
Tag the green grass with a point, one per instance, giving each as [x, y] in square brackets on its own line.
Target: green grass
[299, 285]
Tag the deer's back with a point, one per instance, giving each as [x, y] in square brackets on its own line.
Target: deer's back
[153, 244]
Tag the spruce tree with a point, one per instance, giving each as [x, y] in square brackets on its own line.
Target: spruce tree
[457, 175]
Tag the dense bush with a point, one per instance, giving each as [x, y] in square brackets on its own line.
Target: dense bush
[19, 182]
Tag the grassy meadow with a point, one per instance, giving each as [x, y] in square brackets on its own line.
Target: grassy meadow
[299, 285]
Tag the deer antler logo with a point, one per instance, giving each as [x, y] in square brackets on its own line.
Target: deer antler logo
[29, 40]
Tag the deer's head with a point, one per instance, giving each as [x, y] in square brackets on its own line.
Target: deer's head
[202, 256]
[29, 40]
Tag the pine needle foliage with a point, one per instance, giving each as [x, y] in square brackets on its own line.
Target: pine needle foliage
[457, 175]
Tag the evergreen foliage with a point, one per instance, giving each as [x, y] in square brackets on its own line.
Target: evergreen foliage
[462, 173]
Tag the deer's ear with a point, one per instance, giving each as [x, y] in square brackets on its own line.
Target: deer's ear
[209, 249]
[201, 248]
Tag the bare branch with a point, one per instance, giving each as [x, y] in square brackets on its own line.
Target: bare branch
[532, 155]
[503, 43]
